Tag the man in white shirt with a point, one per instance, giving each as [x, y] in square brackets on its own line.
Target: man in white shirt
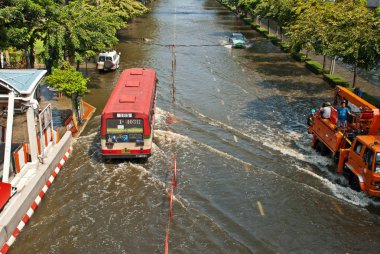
[325, 110]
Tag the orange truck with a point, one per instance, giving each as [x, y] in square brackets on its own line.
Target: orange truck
[356, 148]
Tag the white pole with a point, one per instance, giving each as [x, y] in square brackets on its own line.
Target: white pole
[8, 137]
[32, 134]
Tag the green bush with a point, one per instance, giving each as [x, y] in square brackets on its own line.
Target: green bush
[262, 31]
[248, 21]
[314, 66]
[254, 25]
[271, 36]
[285, 46]
[276, 41]
[299, 56]
[335, 80]
[371, 99]
[368, 98]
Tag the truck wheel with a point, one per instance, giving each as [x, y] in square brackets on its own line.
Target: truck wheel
[321, 148]
[336, 157]
[354, 183]
[317, 146]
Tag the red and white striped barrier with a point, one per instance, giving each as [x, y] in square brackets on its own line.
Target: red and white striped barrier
[35, 204]
[173, 185]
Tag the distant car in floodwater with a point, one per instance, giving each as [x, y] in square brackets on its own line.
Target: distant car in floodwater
[237, 40]
[108, 61]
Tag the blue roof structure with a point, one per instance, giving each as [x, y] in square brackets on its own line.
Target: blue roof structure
[22, 81]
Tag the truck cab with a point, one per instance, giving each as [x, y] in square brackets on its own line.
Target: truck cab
[361, 164]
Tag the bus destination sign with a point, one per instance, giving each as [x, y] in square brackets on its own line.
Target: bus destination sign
[124, 115]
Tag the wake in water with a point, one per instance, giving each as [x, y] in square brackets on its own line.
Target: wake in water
[289, 143]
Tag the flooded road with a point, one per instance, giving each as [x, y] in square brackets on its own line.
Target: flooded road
[248, 181]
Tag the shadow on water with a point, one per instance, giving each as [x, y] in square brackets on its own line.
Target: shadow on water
[282, 69]
[263, 57]
[60, 116]
[288, 86]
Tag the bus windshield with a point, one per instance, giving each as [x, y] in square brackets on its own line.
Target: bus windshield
[125, 130]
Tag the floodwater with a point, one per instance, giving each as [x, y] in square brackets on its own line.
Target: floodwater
[248, 181]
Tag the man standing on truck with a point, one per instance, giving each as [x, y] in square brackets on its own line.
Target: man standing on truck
[325, 110]
[343, 111]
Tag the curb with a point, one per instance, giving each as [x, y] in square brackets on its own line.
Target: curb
[35, 204]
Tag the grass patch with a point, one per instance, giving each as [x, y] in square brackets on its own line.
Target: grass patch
[335, 80]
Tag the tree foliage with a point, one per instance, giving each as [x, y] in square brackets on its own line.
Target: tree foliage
[68, 80]
[68, 29]
[343, 29]
[71, 82]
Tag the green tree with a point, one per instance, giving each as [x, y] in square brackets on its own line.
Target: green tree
[70, 82]
[313, 29]
[357, 37]
[21, 22]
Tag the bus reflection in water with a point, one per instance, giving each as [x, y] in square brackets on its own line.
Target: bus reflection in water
[128, 117]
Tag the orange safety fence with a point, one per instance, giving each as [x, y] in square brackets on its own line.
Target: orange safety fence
[48, 136]
[21, 157]
[87, 109]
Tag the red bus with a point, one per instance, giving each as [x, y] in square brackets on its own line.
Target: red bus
[128, 117]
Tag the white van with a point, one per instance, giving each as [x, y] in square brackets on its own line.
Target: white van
[108, 61]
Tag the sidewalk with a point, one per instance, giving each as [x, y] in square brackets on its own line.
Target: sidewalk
[370, 87]
[343, 71]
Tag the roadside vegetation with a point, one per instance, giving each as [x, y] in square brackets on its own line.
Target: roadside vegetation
[63, 30]
[62, 33]
[344, 30]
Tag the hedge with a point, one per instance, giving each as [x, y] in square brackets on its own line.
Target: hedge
[248, 21]
[301, 57]
[271, 36]
[262, 31]
[254, 25]
[335, 80]
[276, 41]
[285, 46]
[314, 66]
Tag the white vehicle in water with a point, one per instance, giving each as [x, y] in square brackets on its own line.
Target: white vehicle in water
[108, 61]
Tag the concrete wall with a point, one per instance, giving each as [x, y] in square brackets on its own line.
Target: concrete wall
[19, 204]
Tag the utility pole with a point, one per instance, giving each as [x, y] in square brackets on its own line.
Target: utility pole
[174, 64]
